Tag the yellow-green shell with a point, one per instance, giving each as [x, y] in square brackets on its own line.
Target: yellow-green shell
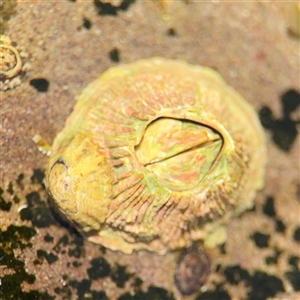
[156, 154]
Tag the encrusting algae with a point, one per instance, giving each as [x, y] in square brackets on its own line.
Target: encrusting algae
[155, 155]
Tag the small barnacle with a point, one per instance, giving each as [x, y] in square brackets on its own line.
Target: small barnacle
[12, 68]
[192, 270]
[11, 63]
[157, 154]
[42, 144]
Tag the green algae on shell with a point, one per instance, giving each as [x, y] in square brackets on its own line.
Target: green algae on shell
[155, 155]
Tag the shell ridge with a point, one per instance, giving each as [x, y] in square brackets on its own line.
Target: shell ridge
[122, 202]
[126, 183]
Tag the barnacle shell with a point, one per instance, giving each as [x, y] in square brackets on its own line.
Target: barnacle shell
[13, 64]
[191, 271]
[156, 154]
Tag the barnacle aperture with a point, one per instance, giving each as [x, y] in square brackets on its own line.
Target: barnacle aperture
[156, 154]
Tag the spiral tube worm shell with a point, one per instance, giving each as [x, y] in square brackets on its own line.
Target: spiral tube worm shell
[155, 155]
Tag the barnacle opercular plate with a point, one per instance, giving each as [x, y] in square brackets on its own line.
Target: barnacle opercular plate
[155, 155]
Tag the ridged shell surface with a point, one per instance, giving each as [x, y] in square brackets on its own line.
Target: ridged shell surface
[155, 155]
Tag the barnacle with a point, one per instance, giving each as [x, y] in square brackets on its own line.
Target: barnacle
[155, 155]
[12, 67]
[192, 270]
